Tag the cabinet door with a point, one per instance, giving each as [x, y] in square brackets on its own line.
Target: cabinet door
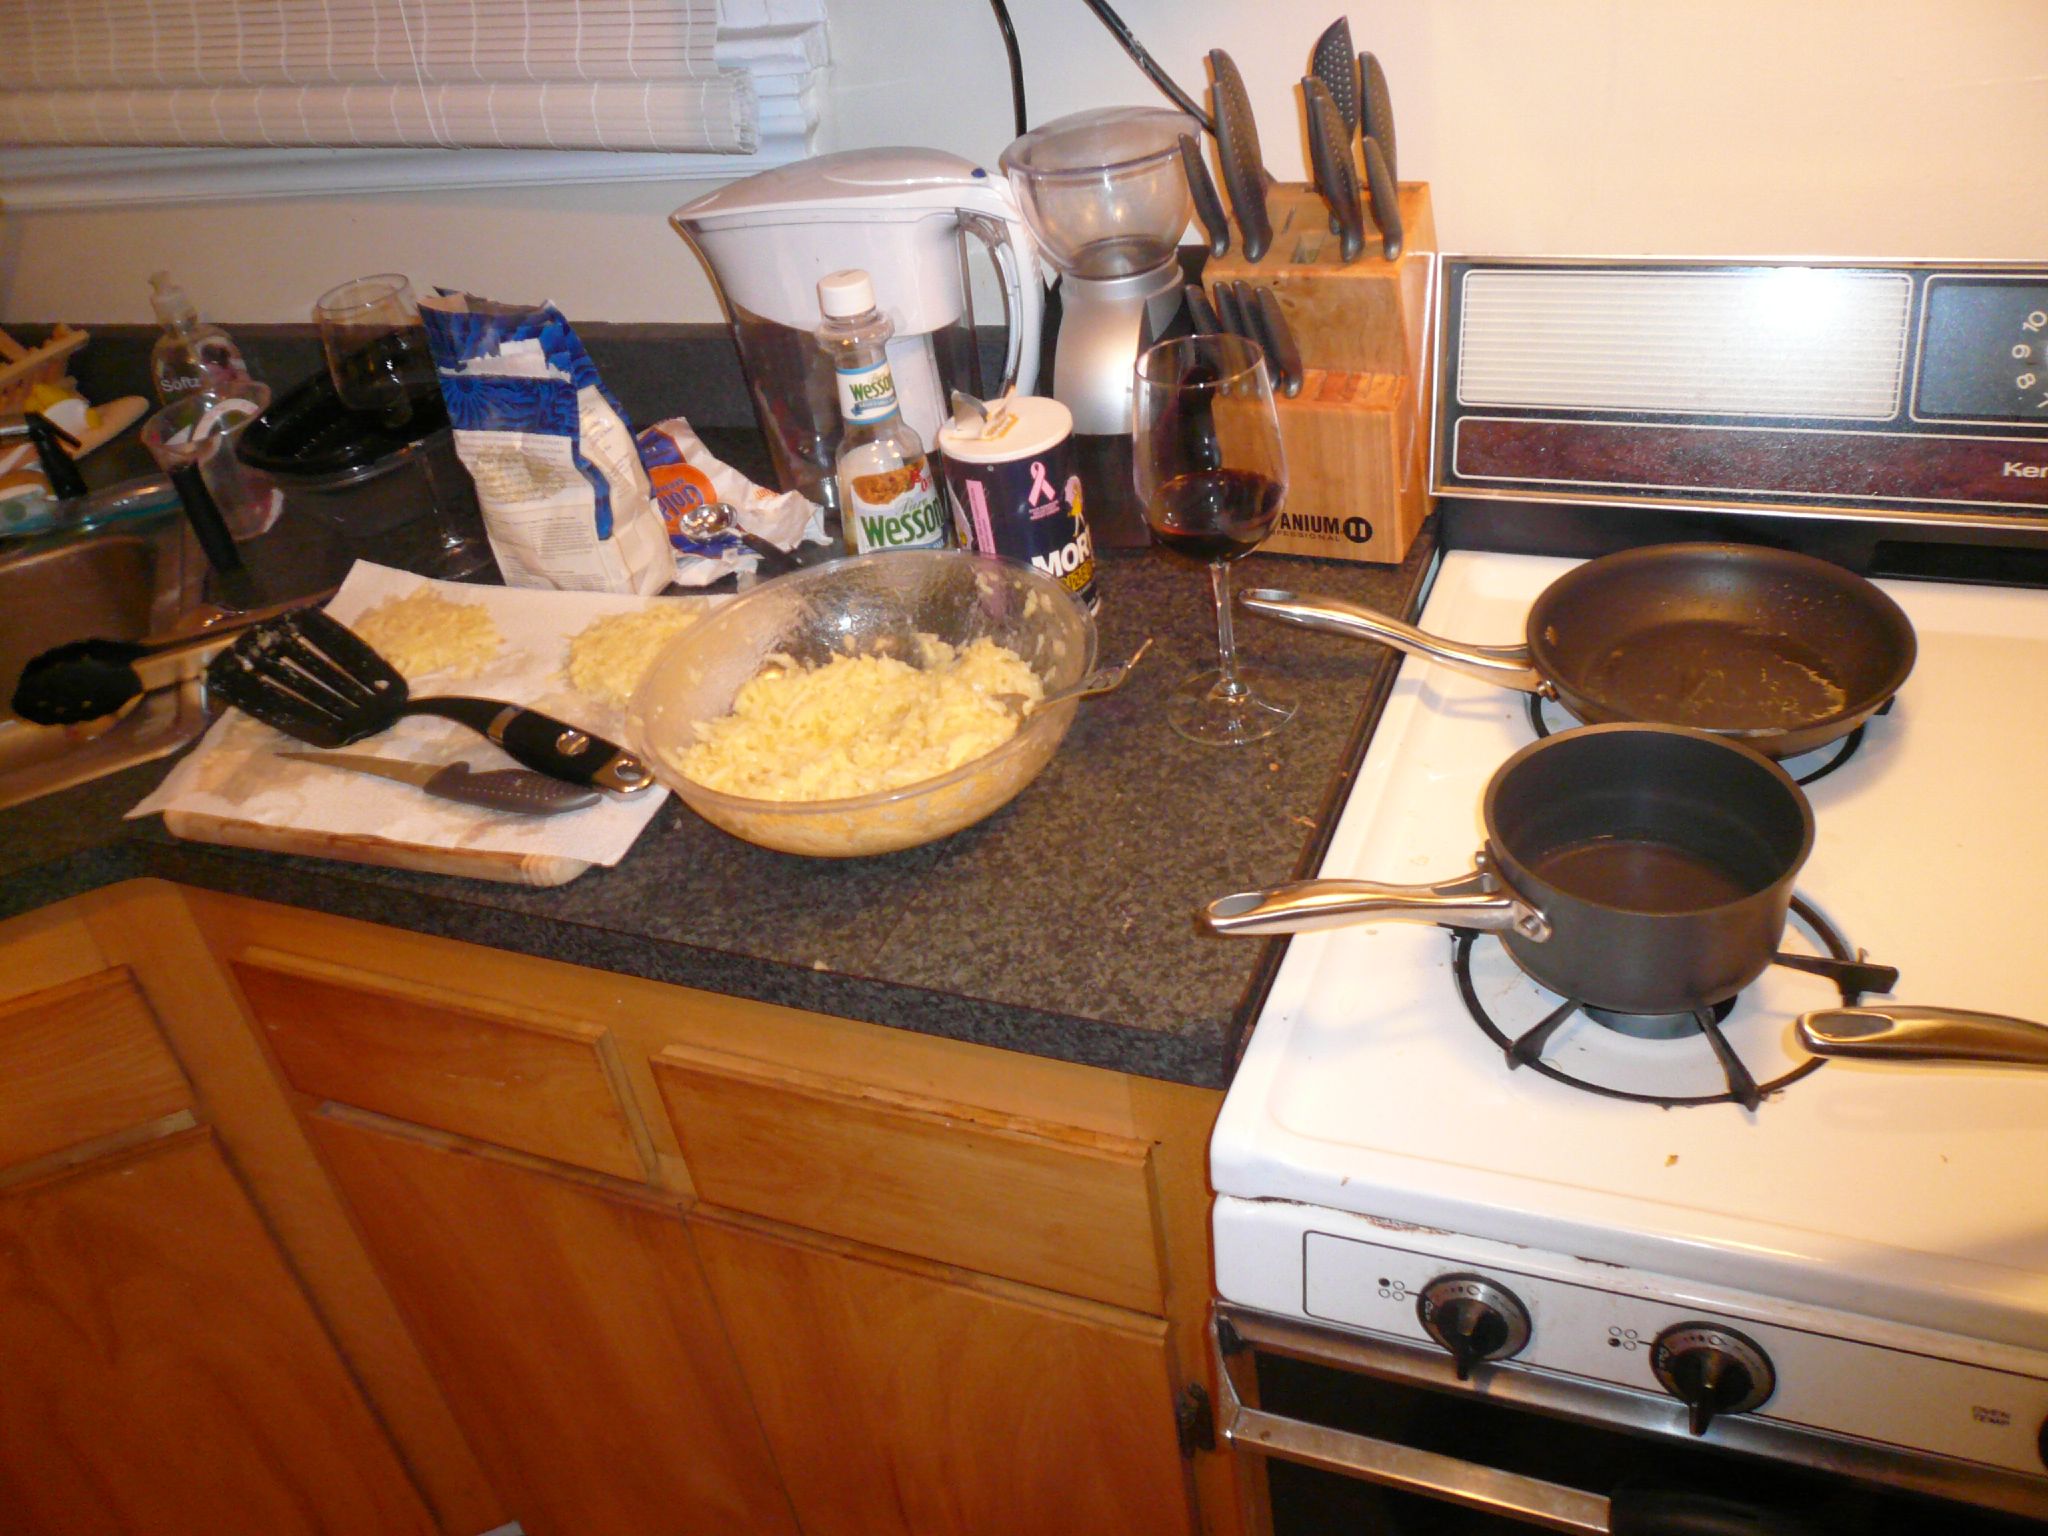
[570, 1327]
[920, 1402]
[161, 1372]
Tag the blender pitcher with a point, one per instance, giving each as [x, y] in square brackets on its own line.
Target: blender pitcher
[903, 216]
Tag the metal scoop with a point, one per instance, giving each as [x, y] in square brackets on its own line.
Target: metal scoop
[313, 678]
[710, 520]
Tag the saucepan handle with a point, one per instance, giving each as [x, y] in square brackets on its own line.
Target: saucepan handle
[1894, 1032]
[1505, 666]
[1303, 906]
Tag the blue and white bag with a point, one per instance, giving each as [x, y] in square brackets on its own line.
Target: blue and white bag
[565, 500]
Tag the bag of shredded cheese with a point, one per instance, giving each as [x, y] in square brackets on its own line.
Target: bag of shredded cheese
[565, 500]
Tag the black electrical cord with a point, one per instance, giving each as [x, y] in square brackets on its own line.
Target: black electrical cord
[1148, 64]
[1016, 62]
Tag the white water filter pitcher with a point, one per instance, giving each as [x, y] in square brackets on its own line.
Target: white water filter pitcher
[902, 215]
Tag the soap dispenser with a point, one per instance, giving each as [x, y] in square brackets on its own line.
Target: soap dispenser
[192, 354]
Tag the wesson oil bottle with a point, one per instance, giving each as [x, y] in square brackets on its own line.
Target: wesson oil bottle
[886, 496]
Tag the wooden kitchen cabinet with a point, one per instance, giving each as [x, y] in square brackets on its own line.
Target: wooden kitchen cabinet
[903, 1400]
[572, 1329]
[685, 1261]
[161, 1369]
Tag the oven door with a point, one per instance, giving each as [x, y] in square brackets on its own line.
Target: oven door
[1361, 1434]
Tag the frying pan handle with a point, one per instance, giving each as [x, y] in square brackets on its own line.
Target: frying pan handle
[1899, 1033]
[542, 742]
[1303, 906]
[1505, 666]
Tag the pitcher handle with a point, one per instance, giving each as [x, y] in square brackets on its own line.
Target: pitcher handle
[1023, 306]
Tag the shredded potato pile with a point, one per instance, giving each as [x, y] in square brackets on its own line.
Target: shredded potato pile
[424, 632]
[860, 724]
[609, 657]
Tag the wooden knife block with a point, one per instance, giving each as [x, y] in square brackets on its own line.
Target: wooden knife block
[1357, 436]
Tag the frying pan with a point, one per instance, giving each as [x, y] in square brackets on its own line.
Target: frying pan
[1779, 651]
[1638, 868]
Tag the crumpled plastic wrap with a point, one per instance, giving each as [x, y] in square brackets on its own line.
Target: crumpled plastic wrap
[685, 473]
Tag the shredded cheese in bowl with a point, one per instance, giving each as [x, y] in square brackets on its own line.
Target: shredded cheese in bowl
[860, 724]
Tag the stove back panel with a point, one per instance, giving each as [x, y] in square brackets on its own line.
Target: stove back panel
[1835, 406]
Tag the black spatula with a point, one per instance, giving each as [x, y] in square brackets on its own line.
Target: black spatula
[313, 678]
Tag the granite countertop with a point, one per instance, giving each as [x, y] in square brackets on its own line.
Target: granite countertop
[1061, 926]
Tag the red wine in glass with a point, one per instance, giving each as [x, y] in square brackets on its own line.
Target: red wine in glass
[1215, 514]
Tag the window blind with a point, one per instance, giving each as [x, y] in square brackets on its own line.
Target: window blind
[693, 76]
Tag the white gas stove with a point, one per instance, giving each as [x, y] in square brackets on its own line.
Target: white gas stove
[1867, 1249]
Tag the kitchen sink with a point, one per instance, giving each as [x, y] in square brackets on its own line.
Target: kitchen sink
[144, 580]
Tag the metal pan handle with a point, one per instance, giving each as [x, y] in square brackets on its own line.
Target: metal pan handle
[1895, 1032]
[1303, 906]
[1505, 666]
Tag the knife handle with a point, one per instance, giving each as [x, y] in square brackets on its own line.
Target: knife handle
[1278, 339]
[519, 790]
[1228, 315]
[1201, 313]
[1208, 202]
[1386, 198]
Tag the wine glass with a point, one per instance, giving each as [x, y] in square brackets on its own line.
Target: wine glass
[1212, 475]
[382, 367]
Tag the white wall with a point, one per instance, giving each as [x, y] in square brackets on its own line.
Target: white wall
[1822, 127]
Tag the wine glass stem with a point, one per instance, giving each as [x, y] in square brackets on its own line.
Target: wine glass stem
[1226, 641]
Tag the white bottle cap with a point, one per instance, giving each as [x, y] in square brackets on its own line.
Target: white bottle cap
[845, 293]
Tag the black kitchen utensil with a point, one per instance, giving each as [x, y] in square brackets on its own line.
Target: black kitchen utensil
[1229, 314]
[1237, 142]
[1780, 651]
[1208, 203]
[1643, 869]
[1277, 337]
[1386, 199]
[313, 678]
[1201, 313]
[1377, 119]
[91, 679]
[53, 447]
[1333, 63]
[1329, 153]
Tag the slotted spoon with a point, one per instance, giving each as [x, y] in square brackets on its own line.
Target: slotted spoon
[315, 679]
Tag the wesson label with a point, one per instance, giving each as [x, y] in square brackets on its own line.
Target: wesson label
[867, 394]
[909, 520]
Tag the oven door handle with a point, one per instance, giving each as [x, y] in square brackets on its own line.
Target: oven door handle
[1511, 1496]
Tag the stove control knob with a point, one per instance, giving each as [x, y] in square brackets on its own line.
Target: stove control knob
[1712, 1369]
[1474, 1318]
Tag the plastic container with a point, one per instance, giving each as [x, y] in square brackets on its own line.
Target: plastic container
[204, 429]
[379, 487]
[886, 496]
[192, 354]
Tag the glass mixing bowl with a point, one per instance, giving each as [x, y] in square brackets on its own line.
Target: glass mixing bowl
[870, 603]
[1104, 190]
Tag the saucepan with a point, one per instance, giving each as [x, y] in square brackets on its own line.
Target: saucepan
[1636, 868]
[1780, 651]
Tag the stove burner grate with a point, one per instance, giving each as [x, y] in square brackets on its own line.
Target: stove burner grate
[1851, 975]
[1844, 749]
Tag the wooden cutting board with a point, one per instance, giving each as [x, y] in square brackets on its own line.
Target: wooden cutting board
[536, 869]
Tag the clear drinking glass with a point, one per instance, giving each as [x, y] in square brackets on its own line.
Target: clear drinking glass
[378, 356]
[1212, 476]
[376, 346]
